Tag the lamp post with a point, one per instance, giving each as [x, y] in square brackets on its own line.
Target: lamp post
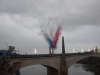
[94, 50]
[88, 50]
[73, 50]
[35, 51]
[82, 50]
[18, 51]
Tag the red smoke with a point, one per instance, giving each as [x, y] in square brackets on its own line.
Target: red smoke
[57, 34]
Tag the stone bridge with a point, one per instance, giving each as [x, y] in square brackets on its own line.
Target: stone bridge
[56, 64]
[50, 62]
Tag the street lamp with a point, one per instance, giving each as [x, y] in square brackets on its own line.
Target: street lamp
[94, 50]
[35, 50]
[88, 50]
[82, 50]
[18, 51]
[73, 50]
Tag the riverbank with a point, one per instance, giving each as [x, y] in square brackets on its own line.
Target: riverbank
[90, 60]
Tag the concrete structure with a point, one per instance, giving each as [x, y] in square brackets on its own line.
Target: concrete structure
[11, 49]
[53, 64]
[56, 64]
[96, 50]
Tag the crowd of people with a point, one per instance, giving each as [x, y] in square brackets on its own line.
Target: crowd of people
[6, 66]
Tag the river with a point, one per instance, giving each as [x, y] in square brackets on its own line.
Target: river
[76, 69]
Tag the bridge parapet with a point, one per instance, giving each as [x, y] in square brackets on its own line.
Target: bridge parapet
[53, 62]
[15, 60]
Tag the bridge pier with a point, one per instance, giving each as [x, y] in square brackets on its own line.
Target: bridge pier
[64, 71]
[17, 72]
[52, 71]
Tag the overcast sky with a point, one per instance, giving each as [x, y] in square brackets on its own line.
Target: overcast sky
[20, 22]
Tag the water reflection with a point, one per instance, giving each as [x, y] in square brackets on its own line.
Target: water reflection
[76, 69]
[83, 69]
[92, 68]
[34, 70]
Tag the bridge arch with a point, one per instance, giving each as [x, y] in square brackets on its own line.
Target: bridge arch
[72, 60]
[50, 70]
[51, 63]
[34, 69]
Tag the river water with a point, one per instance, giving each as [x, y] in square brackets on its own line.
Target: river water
[76, 69]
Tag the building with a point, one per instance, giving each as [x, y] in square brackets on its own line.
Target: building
[96, 50]
[11, 49]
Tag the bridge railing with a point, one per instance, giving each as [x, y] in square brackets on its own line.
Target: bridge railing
[45, 55]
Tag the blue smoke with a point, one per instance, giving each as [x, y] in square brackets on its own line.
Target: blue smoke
[47, 38]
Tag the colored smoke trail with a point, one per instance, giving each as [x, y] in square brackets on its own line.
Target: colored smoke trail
[51, 32]
[47, 38]
[57, 34]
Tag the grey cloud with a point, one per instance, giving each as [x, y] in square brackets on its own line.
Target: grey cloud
[19, 23]
[13, 6]
[70, 13]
